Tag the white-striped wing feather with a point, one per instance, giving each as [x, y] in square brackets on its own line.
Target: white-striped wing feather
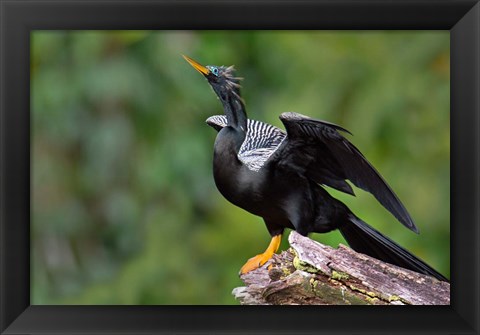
[261, 141]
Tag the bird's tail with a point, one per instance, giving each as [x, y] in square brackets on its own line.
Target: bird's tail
[365, 239]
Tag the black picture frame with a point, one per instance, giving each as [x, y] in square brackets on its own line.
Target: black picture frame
[19, 17]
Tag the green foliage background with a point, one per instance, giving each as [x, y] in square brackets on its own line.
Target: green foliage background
[124, 207]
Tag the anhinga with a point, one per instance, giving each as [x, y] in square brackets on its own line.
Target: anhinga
[281, 176]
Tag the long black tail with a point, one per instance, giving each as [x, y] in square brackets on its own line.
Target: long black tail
[365, 239]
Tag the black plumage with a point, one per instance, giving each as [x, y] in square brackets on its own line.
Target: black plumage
[281, 176]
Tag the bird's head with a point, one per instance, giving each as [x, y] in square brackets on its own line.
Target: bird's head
[221, 78]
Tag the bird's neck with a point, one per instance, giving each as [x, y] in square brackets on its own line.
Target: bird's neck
[234, 110]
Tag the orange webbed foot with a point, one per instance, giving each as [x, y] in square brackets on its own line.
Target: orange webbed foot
[255, 262]
[258, 260]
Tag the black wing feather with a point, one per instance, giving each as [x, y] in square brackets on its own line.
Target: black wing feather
[328, 150]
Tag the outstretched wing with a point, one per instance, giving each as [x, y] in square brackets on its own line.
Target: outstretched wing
[261, 141]
[319, 151]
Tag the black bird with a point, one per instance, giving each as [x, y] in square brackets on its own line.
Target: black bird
[281, 176]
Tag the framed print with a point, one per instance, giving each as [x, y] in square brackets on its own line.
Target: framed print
[108, 210]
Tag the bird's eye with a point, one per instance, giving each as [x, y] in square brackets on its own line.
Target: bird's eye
[213, 69]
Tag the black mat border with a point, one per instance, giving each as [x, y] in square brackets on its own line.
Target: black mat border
[19, 17]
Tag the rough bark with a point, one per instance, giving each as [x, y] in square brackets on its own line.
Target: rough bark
[311, 273]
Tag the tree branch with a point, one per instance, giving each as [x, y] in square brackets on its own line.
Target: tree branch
[312, 273]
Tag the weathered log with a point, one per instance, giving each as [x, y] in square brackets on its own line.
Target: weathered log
[311, 273]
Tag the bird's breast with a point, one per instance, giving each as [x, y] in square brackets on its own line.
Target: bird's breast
[236, 183]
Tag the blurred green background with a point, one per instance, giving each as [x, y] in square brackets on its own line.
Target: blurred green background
[124, 207]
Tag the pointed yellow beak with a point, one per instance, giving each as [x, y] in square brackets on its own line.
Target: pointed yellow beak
[200, 68]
